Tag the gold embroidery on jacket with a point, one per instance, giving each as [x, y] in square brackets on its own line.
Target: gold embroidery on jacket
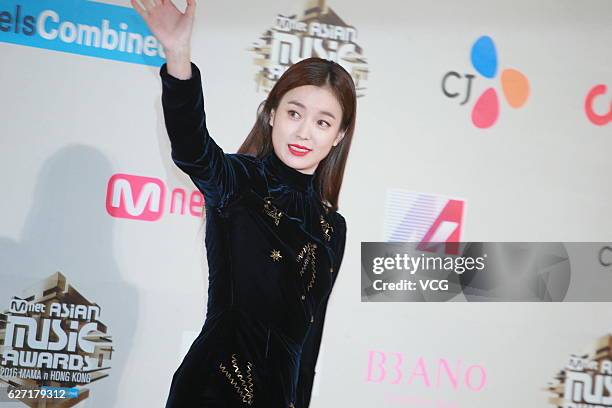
[272, 211]
[327, 229]
[245, 389]
[308, 254]
[275, 254]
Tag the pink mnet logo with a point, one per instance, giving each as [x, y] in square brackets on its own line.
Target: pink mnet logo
[142, 198]
[390, 368]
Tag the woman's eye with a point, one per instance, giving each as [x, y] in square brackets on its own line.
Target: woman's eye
[326, 123]
[292, 112]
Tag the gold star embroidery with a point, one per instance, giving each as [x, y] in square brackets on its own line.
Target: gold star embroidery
[276, 255]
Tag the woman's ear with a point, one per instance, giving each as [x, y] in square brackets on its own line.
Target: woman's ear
[339, 138]
[271, 122]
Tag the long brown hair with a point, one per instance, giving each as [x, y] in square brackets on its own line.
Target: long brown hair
[319, 72]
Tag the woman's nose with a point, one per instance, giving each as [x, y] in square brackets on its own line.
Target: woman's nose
[304, 130]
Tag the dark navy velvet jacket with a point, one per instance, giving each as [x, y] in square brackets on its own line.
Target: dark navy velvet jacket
[274, 251]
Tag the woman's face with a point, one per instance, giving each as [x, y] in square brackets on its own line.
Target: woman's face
[305, 126]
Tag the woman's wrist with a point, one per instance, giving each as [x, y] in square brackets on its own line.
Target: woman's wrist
[179, 63]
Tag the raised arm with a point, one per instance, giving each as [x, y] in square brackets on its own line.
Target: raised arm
[216, 174]
[312, 345]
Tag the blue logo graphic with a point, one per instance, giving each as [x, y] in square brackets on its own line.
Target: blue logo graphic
[69, 392]
[484, 57]
[80, 27]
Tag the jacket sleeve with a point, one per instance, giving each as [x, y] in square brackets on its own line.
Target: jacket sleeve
[216, 174]
[310, 350]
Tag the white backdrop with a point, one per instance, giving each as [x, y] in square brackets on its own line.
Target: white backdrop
[540, 173]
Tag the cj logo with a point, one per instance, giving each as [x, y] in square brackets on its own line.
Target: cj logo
[595, 118]
[605, 256]
[485, 112]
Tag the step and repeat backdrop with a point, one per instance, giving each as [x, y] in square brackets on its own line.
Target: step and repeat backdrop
[477, 121]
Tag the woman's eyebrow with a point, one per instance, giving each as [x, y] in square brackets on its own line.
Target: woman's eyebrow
[303, 107]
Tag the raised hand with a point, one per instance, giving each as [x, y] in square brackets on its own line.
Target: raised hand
[171, 27]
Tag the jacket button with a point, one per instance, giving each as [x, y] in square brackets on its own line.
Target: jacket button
[311, 318]
[331, 270]
[303, 297]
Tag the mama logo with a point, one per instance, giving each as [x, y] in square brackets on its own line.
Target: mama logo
[586, 379]
[318, 32]
[514, 84]
[53, 334]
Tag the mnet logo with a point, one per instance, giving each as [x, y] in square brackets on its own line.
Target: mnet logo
[20, 306]
[142, 198]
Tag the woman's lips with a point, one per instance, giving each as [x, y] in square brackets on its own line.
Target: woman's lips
[298, 150]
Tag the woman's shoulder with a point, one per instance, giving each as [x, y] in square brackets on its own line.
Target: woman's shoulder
[338, 219]
[246, 171]
[246, 163]
[245, 158]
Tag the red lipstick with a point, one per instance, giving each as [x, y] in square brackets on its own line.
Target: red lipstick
[298, 150]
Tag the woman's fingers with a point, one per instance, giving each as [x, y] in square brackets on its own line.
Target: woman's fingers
[148, 4]
[140, 9]
[190, 10]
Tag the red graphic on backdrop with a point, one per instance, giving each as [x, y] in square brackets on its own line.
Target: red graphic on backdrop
[142, 198]
[445, 230]
[593, 116]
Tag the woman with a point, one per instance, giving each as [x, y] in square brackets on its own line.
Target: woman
[274, 238]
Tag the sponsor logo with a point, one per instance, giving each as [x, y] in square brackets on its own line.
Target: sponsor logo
[317, 32]
[593, 97]
[80, 27]
[605, 256]
[586, 379]
[433, 220]
[142, 198]
[418, 372]
[54, 335]
[514, 84]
